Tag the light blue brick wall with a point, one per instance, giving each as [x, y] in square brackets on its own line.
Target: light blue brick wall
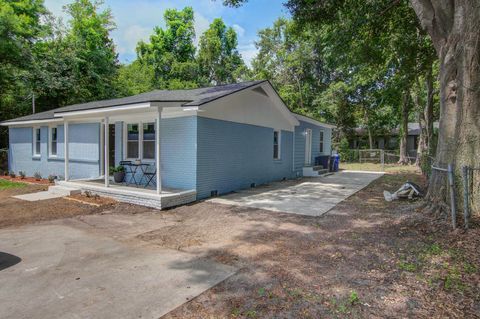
[84, 151]
[231, 156]
[300, 144]
[178, 153]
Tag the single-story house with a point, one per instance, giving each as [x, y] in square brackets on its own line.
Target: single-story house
[209, 141]
[389, 140]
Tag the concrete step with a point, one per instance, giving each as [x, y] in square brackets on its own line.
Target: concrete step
[322, 171]
[63, 190]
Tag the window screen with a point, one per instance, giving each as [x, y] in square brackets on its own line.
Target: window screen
[149, 140]
[132, 141]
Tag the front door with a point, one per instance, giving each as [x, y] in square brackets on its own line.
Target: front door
[308, 147]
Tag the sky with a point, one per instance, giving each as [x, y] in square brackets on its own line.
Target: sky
[135, 20]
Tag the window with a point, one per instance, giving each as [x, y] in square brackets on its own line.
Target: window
[321, 142]
[53, 141]
[132, 141]
[140, 141]
[36, 139]
[276, 144]
[149, 140]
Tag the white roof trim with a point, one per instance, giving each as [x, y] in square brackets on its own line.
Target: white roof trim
[312, 121]
[109, 109]
[31, 122]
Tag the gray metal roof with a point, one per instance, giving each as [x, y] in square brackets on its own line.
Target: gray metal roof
[191, 97]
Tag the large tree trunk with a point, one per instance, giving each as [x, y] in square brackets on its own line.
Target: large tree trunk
[404, 129]
[369, 130]
[454, 27]
[370, 138]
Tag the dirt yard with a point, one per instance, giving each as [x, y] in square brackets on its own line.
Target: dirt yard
[16, 212]
[364, 259]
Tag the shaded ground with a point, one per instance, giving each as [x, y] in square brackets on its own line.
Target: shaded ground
[365, 259]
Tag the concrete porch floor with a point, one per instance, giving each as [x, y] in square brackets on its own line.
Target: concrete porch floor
[135, 194]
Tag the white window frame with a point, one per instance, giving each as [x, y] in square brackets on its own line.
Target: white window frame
[143, 141]
[279, 141]
[140, 141]
[321, 144]
[34, 142]
[50, 141]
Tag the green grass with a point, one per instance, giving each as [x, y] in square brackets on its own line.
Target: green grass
[378, 167]
[6, 184]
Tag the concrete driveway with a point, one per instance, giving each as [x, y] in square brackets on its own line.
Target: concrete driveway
[75, 268]
[308, 196]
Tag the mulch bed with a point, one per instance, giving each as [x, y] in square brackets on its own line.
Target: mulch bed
[16, 212]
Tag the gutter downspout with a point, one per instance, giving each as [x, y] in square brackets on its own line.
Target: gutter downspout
[293, 155]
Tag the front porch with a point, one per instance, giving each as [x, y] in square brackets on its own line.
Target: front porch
[134, 137]
[168, 197]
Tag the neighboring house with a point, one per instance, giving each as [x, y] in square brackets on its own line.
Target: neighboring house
[390, 140]
[210, 141]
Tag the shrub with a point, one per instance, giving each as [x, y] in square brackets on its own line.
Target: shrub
[52, 178]
[346, 154]
[116, 169]
[22, 174]
[37, 176]
[12, 174]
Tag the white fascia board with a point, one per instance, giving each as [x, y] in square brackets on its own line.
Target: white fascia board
[31, 122]
[110, 109]
[312, 121]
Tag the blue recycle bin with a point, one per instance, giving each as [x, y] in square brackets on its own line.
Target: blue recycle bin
[336, 162]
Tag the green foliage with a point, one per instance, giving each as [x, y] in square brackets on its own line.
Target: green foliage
[22, 174]
[135, 78]
[218, 58]
[5, 184]
[349, 63]
[116, 169]
[291, 59]
[58, 65]
[353, 298]
[407, 266]
[171, 51]
[37, 176]
[96, 61]
[346, 154]
[20, 26]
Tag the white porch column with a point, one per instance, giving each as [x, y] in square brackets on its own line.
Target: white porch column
[65, 148]
[157, 150]
[106, 143]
